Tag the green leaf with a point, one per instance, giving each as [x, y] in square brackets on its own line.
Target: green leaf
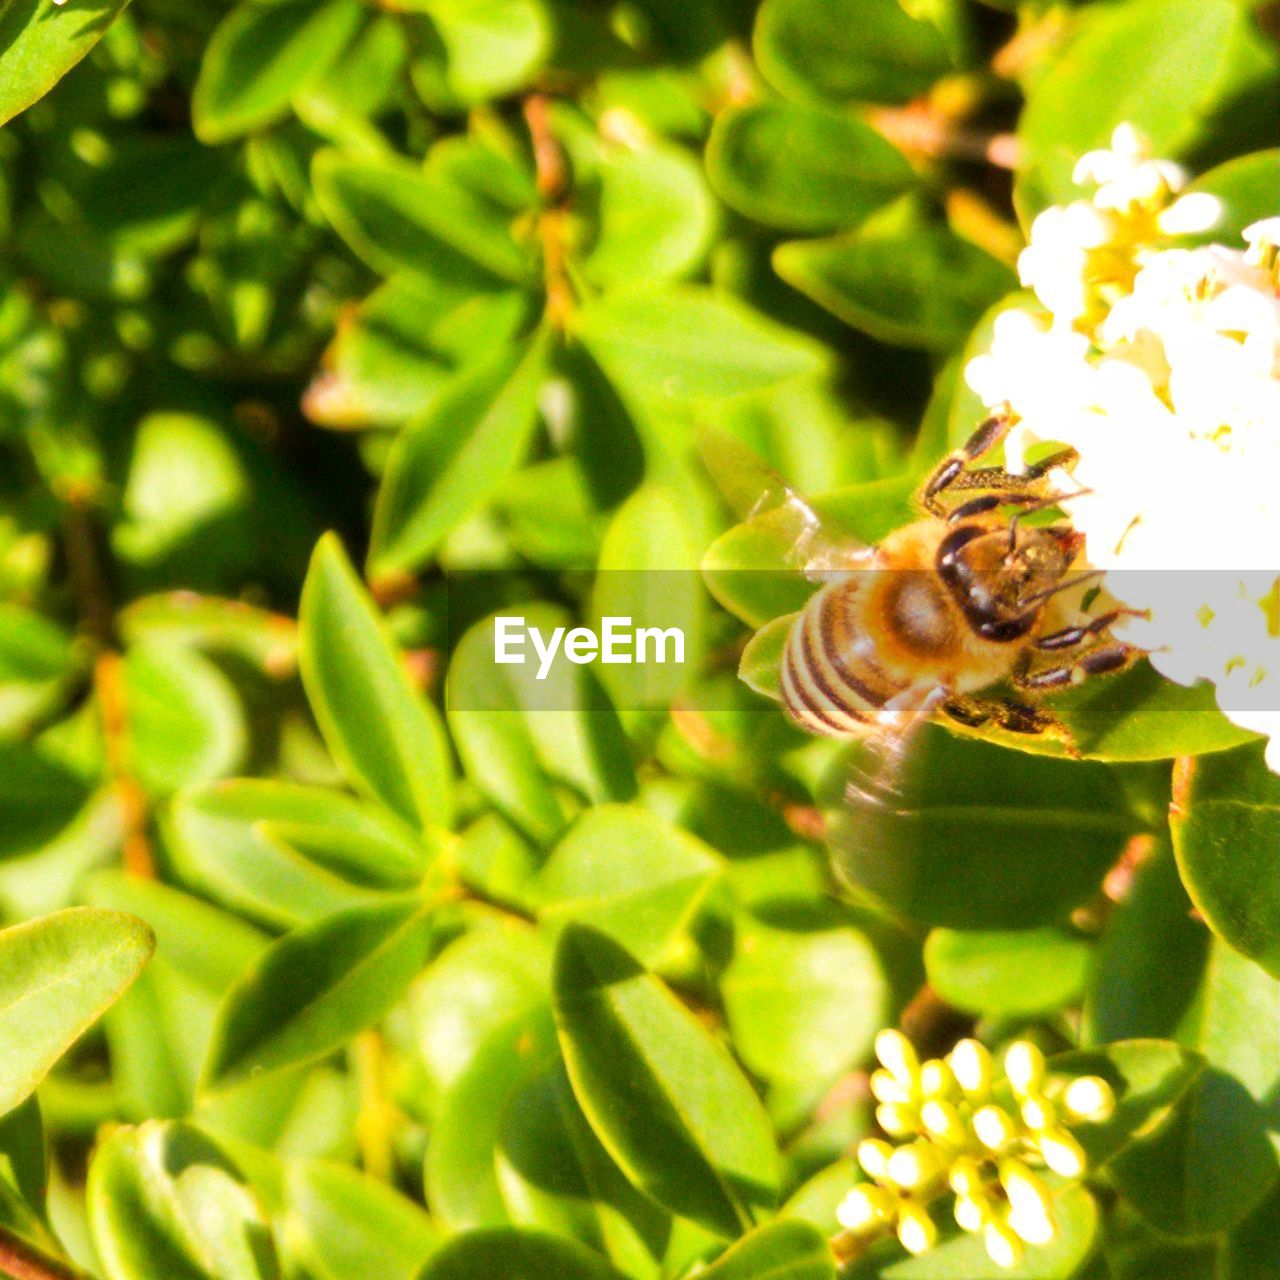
[1218, 1154]
[1149, 962]
[964, 1257]
[1247, 186]
[761, 665]
[519, 736]
[185, 721]
[984, 839]
[1133, 716]
[314, 989]
[387, 740]
[748, 569]
[842, 50]
[783, 1250]
[23, 1162]
[484, 981]
[452, 459]
[39, 45]
[285, 854]
[461, 1172]
[39, 799]
[1148, 1077]
[555, 1176]
[341, 1224]
[663, 1096]
[399, 217]
[803, 1002]
[36, 661]
[1161, 61]
[269, 641]
[193, 937]
[917, 285]
[655, 217]
[57, 976]
[646, 572]
[630, 875]
[1011, 973]
[260, 56]
[1226, 830]
[803, 168]
[400, 348]
[490, 47]
[690, 343]
[163, 1200]
[515, 1255]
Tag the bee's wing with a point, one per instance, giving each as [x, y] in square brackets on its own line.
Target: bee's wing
[877, 823]
[762, 497]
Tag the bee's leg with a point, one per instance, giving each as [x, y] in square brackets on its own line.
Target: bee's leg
[953, 471]
[1102, 660]
[970, 712]
[1072, 637]
[948, 472]
[1011, 715]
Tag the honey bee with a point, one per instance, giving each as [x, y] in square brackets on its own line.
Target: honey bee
[941, 611]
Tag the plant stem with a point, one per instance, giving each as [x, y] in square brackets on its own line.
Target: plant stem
[22, 1261]
[551, 171]
[93, 596]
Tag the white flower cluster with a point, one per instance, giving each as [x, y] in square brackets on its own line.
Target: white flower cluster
[1160, 365]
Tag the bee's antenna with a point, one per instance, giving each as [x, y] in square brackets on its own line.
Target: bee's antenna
[1042, 504]
[1061, 586]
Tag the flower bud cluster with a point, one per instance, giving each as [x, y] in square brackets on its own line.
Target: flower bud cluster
[981, 1131]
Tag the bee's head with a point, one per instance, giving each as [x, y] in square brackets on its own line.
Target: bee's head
[1002, 577]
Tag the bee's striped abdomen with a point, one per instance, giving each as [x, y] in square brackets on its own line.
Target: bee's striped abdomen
[828, 686]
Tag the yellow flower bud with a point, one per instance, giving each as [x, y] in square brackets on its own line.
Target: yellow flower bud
[1032, 1226]
[916, 1230]
[886, 1087]
[971, 1212]
[1002, 1244]
[942, 1119]
[897, 1056]
[1024, 1067]
[873, 1156]
[965, 1176]
[866, 1208]
[994, 1127]
[936, 1079]
[971, 1063]
[1089, 1098]
[914, 1166]
[1038, 1112]
[1062, 1153]
[1026, 1191]
[896, 1119]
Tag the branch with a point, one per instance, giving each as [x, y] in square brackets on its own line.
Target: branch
[93, 597]
[23, 1261]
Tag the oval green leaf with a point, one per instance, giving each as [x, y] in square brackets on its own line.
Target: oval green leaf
[803, 168]
[665, 1099]
[516, 1255]
[40, 44]
[1226, 831]
[58, 975]
[386, 738]
[914, 286]
[314, 989]
[452, 460]
[260, 56]
[783, 1250]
